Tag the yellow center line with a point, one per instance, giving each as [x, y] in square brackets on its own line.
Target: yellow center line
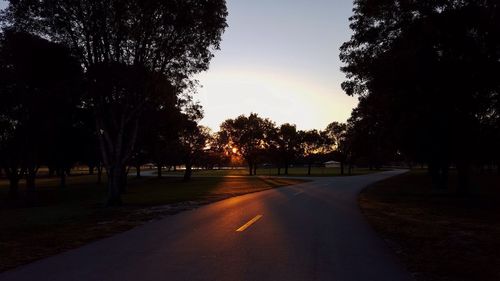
[248, 224]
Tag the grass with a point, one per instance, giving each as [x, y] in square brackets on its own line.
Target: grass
[440, 237]
[293, 172]
[61, 219]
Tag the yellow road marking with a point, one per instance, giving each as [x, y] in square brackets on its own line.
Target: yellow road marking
[248, 224]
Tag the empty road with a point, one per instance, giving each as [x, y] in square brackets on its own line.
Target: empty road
[310, 231]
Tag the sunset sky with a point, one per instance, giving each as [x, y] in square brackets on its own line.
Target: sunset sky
[279, 59]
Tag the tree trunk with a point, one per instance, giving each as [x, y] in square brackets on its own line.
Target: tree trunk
[62, 175]
[254, 169]
[309, 169]
[117, 141]
[30, 179]
[250, 169]
[279, 170]
[123, 183]
[13, 187]
[14, 175]
[188, 172]
[99, 174]
[138, 171]
[115, 178]
[158, 170]
[341, 168]
[286, 168]
[91, 169]
[30, 185]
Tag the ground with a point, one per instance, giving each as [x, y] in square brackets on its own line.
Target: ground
[439, 236]
[309, 231]
[62, 219]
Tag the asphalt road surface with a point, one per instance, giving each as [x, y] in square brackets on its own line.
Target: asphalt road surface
[310, 231]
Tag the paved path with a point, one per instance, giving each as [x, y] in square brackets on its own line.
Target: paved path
[310, 231]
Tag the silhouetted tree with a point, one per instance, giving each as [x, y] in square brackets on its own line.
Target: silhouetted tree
[311, 145]
[193, 139]
[287, 142]
[39, 91]
[250, 136]
[216, 153]
[426, 72]
[337, 134]
[133, 52]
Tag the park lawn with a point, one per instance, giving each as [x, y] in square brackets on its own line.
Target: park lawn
[439, 236]
[61, 219]
[292, 172]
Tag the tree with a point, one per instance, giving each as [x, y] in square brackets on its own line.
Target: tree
[193, 139]
[425, 72]
[287, 143]
[249, 136]
[337, 134]
[133, 53]
[39, 92]
[311, 142]
[216, 154]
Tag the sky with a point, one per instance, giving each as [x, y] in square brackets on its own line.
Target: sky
[279, 59]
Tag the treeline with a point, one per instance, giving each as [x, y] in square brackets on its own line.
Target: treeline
[427, 76]
[97, 81]
[260, 141]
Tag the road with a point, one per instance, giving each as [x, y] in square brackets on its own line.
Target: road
[310, 231]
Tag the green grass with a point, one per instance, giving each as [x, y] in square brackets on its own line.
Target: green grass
[439, 236]
[293, 172]
[59, 219]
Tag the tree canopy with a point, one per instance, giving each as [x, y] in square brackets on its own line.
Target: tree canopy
[136, 55]
[425, 72]
[249, 136]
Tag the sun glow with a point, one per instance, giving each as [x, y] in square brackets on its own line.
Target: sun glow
[279, 95]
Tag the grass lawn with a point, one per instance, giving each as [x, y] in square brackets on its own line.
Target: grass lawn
[293, 171]
[61, 219]
[439, 236]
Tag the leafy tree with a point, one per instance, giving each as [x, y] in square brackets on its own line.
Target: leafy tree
[426, 73]
[133, 53]
[337, 134]
[216, 154]
[39, 91]
[88, 142]
[193, 139]
[287, 143]
[250, 136]
[311, 144]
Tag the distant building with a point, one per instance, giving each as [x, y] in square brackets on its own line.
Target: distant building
[332, 164]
